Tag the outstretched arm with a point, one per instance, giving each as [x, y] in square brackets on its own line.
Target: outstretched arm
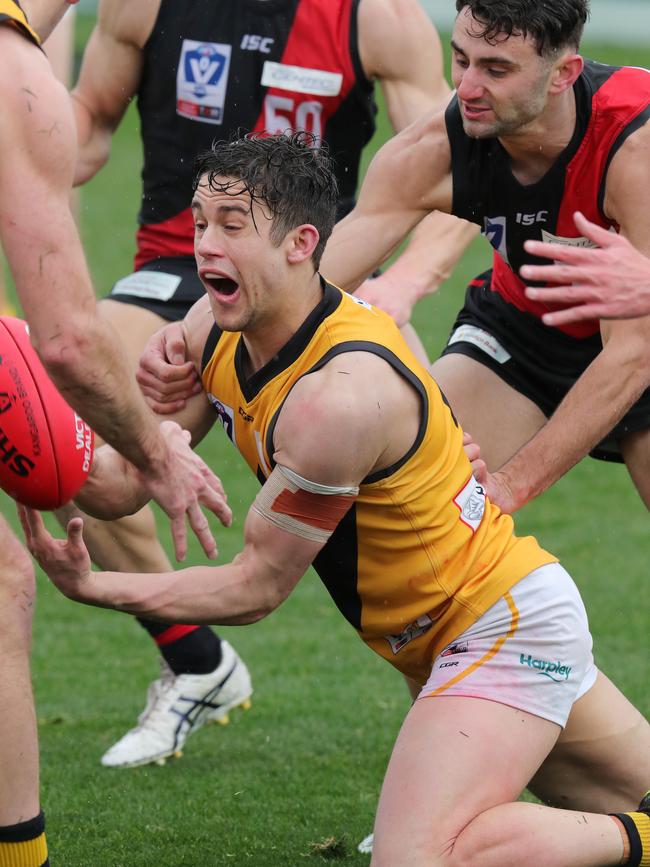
[312, 487]
[401, 49]
[408, 178]
[39, 237]
[617, 376]
[115, 487]
[610, 281]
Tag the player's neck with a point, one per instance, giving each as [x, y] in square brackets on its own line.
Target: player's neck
[265, 338]
[534, 148]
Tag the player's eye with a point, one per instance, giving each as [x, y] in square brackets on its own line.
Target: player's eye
[497, 73]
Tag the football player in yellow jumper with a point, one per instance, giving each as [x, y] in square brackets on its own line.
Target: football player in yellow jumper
[364, 475]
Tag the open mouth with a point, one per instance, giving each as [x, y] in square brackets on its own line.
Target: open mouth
[221, 285]
[474, 110]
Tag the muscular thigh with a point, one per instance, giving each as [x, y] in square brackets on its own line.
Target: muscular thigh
[497, 416]
[454, 758]
[601, 762]
[134, 324]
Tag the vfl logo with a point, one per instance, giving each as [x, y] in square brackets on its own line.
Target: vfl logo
[226, 416]
[201, 80]
[494, 229]
[6, 400]
[203, 66]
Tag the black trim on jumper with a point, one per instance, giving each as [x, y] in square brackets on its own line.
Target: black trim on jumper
[336, 566]
[210, 345]
[396, 364]
[291, 351]
[640, 120]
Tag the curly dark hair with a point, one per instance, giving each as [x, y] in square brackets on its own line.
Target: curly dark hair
[552, 24]
[291, 175]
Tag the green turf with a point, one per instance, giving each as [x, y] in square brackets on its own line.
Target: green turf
[305, 764]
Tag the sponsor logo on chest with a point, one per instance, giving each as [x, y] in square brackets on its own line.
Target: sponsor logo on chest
[300, 79]
[566, 242]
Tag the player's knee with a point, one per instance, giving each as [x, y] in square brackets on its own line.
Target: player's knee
[436, 849]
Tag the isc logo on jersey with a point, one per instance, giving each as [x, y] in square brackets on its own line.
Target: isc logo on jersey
[202, 80]
[253, 42]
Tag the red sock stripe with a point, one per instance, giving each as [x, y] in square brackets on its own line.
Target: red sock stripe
[174, 633]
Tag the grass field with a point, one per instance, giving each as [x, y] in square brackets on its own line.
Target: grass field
[304, 766]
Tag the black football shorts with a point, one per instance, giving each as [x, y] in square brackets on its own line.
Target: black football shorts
[168, 286]
[539, 362]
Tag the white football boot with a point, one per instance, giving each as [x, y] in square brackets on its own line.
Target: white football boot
[365, 846]
[177, 706]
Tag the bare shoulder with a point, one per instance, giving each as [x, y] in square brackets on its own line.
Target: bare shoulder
[127, 21]
[18, 54]
[36, 113]
[629, 173]
[344, 421]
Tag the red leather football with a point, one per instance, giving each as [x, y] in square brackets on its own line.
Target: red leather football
[46, 449]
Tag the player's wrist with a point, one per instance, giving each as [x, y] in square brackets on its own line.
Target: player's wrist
[516, 492]
[156, 458]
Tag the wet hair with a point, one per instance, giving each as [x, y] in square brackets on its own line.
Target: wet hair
[553, 24]
[290, 175]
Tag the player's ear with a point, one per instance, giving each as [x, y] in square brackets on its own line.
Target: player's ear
[566, 72]
[301, 243]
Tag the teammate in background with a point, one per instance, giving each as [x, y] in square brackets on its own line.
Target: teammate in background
[608, 281]
[81, 352]
[489, 625]
[534, 133]
[199, 71]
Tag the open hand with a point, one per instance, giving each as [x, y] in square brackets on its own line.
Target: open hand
[496, 484]
[610, 281]
[181, 486]
[66, 562]
[392, 298]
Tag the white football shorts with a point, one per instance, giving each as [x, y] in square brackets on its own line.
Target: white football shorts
[531, 650]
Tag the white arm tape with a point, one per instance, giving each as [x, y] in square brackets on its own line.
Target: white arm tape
[315, 487]
[306, 509]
